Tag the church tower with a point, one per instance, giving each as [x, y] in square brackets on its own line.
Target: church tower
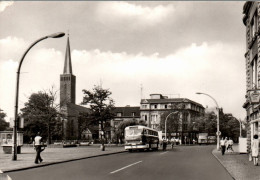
[67, 81]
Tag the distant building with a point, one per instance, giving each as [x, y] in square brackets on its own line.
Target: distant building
[154, 111]
[124, 114]
[251, 11]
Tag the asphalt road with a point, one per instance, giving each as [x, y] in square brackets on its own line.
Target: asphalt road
[183, 162]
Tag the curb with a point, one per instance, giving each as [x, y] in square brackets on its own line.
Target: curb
[221, 163]
[59, 162]
[4, 176]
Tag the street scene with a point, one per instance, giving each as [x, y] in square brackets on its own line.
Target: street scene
[129, 90]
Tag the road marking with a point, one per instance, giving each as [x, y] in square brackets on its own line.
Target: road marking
[125, 167]
[164, 152]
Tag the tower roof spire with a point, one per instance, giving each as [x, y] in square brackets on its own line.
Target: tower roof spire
[67, 64]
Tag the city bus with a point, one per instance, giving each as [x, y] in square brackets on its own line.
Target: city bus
[141, 137]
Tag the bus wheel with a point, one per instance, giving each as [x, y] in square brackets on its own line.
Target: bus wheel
[130, 150]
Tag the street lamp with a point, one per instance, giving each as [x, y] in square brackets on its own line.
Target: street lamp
[166, 122]
[55, 35]
[218, 132]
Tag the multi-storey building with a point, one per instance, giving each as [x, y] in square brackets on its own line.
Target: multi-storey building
[153, 111]
[251, 12]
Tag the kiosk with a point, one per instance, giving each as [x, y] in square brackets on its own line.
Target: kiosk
[7, 141]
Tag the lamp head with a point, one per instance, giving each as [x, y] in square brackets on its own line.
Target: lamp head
[56, 35]
[198, 93]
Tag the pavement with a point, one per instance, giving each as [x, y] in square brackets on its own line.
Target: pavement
[238, 165]
[52, 155]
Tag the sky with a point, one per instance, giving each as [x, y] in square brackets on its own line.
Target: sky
[134, 49]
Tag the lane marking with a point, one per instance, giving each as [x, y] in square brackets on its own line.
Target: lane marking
[125, 167]
[164, 152]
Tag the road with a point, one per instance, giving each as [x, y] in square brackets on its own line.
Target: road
[183, 162]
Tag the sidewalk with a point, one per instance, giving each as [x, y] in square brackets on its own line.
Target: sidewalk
[238, 165]
[52, 155]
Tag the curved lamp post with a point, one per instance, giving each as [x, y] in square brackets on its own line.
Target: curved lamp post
[218, 132]
[175, 112]
[55, 35]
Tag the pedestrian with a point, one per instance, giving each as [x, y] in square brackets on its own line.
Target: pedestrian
[223, 145]
[230, 144]
[177, 141]
[164, 144]
[37, 143]
[255, 149]
[193, 141]
[172, 142]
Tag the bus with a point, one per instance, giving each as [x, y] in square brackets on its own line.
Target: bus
[203, 138]
[141, 137]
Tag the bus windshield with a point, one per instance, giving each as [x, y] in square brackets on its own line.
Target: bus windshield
[133, 132]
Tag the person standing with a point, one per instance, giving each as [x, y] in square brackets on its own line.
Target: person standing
[230, 145]
[37, 143]
[255, 149]
[172, 142]
[223, 145]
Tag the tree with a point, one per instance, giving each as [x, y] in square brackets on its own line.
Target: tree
[3, 124]
[207, 123]
[228, 125]
[173, 122]
[41, 115]
[101, 106]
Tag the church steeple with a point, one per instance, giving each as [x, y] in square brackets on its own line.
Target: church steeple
[67, 80]
[67, 64]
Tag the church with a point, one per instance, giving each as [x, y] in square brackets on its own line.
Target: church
[69, 110]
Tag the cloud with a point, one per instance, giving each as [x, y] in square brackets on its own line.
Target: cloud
[136, 14]
[5, 4]
[40, 70]
[11, 48]
[205, 67]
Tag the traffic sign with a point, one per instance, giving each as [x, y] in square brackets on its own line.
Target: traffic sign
[218, 133]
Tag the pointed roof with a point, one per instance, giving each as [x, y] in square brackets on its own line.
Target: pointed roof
[67, 64]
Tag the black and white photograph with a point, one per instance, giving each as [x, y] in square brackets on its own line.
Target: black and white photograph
[145, 90]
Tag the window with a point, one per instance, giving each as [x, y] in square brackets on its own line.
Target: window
[254, 73]
[253, 25]
[165, 106]
[145, 117]
[133, 114]
[155, 106]
[144, 106]
[119, 114]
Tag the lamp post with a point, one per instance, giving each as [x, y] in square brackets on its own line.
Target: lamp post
[166, 122]
[56, 35]
[218, 132]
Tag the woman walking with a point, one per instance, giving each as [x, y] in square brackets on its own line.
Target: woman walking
[255, 149]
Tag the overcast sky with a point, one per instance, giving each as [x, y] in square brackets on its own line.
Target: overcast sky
[168, 47]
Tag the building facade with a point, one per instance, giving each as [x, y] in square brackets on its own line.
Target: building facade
[251, 12]
[153, 112]
[124, 114]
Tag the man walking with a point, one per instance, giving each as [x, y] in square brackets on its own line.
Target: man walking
[223, 143]
[37, 143]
